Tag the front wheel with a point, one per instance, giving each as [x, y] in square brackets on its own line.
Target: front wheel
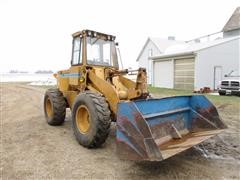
[222, 93]
[91, 119]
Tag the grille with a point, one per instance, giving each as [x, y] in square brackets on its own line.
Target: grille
[225, 83]
[234, 83]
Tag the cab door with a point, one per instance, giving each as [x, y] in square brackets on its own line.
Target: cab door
[76, 62]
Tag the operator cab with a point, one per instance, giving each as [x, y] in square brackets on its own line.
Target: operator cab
[94, 48]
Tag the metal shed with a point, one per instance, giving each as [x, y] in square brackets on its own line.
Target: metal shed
[197, 65]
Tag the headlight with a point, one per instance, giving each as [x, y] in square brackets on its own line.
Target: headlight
[82, 79]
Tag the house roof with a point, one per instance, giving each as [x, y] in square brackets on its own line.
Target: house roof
[160, 43]
[234, 21]
[163, 44]
[191, 48]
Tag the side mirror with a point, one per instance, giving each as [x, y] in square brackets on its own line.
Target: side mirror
[116, 44]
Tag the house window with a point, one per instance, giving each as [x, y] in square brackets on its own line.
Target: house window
[150, 53]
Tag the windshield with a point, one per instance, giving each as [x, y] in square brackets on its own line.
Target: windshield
[101, 52]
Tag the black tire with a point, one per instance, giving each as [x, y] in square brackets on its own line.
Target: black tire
[221, 93]
[98, 118]
[55, 99]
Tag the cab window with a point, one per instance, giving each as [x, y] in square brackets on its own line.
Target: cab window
[77, 51]
[99, 52]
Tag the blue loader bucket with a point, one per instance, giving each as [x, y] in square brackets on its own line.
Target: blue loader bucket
[156, 129]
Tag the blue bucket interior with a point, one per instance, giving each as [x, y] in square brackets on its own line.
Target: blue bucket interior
[156, 111]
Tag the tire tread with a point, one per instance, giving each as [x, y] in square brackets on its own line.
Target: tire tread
[59, 107]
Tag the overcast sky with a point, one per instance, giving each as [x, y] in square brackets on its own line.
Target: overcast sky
[37, 34]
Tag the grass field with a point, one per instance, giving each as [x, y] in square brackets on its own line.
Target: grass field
[164, 92]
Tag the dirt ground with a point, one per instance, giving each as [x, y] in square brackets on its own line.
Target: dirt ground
[31, 149]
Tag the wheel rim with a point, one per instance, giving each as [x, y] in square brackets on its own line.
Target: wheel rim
[82, 119]
[48, 107]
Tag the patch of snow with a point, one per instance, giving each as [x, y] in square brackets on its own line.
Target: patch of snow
[214, 93]
[34, 79]
[49, 82]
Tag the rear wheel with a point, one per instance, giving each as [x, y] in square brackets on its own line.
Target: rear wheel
[54, 107]
[91, 119]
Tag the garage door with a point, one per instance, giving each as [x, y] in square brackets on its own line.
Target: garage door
[184, 74]
[163, 74]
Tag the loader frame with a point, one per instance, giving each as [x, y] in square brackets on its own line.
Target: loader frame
[107, 80]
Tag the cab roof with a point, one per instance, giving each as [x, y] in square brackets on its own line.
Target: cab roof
[91, 33]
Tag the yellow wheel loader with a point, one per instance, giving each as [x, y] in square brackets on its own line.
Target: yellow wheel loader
[98, 92]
